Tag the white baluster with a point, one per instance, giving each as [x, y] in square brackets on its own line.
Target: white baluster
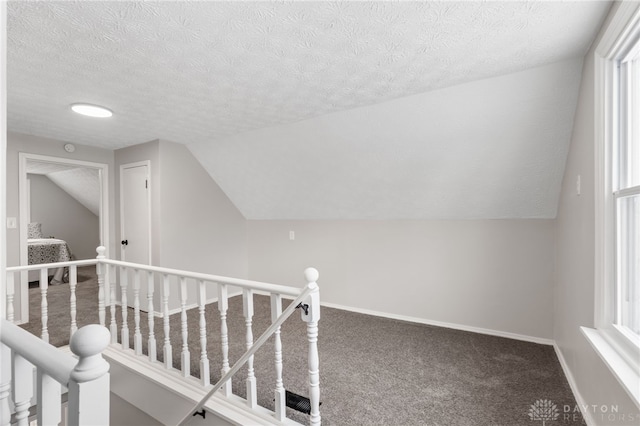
[89, 381]
[113, 326]
[247, 305]
[184, 355]
[137, 336]
[223, 305]
[44, 305]
[100, 271]
[151, 343]
[124, 283]
[168, 352]
[49, 391]
[5, 385]
[311, 318]
[10, 294]
[73, 282]
[22, 387]
[280, 394]
[204, 360]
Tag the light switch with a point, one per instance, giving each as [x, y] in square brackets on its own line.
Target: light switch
[12, 223]
[292, 235]
[578, 185]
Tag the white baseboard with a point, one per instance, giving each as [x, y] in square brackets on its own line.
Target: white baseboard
[586, 415]
[490, 332]
[497, 333]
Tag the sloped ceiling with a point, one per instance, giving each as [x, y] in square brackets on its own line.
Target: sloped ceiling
[493, 148]
[320, 109]
[81, 183]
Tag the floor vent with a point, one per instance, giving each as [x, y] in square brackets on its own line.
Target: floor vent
[298, 403]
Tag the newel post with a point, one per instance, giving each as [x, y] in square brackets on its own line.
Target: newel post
[311, 315]
[89, 381]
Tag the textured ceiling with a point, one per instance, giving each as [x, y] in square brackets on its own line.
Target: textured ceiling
[202, 73]
[82, 183]
[493, 148]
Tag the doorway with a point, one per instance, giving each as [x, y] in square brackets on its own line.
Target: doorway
[65, 175]
[135, 225]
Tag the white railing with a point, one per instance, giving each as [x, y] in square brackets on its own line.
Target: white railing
[144, 286]
[87, 379]
[312, 276]
[14, 271]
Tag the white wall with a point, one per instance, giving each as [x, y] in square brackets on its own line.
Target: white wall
[202, 230]
[493, 274]
[122, 413]
[194, 225]
[62, 216]
[575, 279]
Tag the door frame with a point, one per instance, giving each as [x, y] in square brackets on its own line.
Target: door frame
[130, 166]
[103, 218]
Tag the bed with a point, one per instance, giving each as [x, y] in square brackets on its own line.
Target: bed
[46, 250]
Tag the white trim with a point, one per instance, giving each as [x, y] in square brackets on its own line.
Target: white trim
[28, 200]
[3, 159]
[130, 166]
[624, 22]
[628, 192]
[490, 332]
[586, 415]
[604, 242]
[103, 219]
[626, 373]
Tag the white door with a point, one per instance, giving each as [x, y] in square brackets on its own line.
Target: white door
[135, 221]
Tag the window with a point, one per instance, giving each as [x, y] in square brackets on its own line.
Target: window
[625, 170]
[617, 199]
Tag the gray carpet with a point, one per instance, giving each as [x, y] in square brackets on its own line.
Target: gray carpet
[373, 371]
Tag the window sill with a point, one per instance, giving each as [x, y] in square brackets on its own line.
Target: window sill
[626, 374]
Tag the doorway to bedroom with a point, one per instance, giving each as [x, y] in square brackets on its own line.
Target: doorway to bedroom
[63, 214]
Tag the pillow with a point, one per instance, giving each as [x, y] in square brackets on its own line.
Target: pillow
[35, 230]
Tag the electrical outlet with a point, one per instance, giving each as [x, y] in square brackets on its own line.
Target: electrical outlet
[12, 223]
[292, 235]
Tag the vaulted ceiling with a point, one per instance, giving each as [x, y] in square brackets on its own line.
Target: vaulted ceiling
[320, 110]
[81, 183]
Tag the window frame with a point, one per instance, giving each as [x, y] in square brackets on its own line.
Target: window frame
[622, 181]
[618, 348]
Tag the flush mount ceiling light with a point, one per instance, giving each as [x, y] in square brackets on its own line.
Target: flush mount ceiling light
[92, 110]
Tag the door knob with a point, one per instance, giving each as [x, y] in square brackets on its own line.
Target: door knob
[125, 242]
